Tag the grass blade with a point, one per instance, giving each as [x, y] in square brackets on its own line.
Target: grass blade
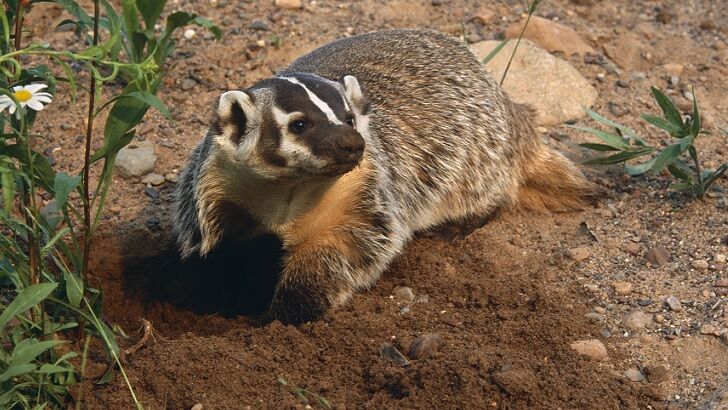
[29, 297]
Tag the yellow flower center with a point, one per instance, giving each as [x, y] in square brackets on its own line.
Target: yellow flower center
[23, 95]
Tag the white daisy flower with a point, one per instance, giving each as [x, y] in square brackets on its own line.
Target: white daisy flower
[28, 96]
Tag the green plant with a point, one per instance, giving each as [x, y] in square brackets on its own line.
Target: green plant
[47, 219]
[683, 131]
[305, 394]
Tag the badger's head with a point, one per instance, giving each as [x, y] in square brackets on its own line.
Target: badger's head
[294, 126]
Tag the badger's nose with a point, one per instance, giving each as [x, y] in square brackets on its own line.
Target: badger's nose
[351, 143]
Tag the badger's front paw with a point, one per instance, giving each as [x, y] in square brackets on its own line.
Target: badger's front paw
[298, 304]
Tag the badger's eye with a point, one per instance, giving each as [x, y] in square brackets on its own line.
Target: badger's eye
[298, 126]
[350, 120]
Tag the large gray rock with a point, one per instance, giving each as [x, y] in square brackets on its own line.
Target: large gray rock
[136, 160]
[552, 86]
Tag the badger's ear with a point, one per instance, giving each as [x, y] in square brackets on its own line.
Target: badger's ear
[235, 113]
[353, 93]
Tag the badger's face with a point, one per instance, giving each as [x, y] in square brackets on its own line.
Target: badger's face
[295, 126]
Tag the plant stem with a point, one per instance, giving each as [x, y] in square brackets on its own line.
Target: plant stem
[694, 156]
[531, 10]
[18, 26]
[87, 233]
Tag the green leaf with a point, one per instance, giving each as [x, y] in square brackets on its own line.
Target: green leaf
[696, 124]
[29, 297]
[672, 114]
[8, 183]
[125, 114]
[665, 157]
[129, 13]
[76, 11]
[598, 147]
[494, 52]
[49, 245]
[74, 288]
[681, 185]
[714, 176]
[107, 377]
[53, 368]
[639, 169]
[617, 158]
[662, 124]
[150, 10]
[610, 139]
[205, 23]
[29, 349]
[625, 130]
[42, 169]
[153, 101]
[13, 371]
[63, 185]
[678, 172]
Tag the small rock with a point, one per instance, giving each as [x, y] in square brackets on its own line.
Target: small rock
[404, 294]
[151, 192]
[550, 35]
[657, 374]
[634, 375]
[594, 317]
[189, 34]
[153, 223]
[673, 69]
[451, 320]
[154, 179]
[389, 352]
[644, 302]
[709, 329]
[66, 126]
[259, 25]
[600, 310]
[579, 254]
[674, 303]
[623, 83]
[289, 4]
[484, 15]
[197, 406]
[436, 2]
[135, 161]
[622, 288]
[659, 256]
[188, 84]
[424, 346]
[701, 264]
[636, 320]
[592, 348]
[722, 283]
[719, 258]
[659, 318]
[632, 248]
[171, 177]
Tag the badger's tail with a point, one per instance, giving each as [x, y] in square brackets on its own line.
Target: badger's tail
[550, 181]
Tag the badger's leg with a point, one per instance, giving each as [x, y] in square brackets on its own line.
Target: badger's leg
[340, 246]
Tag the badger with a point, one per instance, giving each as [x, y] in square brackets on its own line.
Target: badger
[353, 148]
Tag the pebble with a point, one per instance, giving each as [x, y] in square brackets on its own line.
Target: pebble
[623, 83]
[425, 346]
[644, 302]
[188, 83]
[289, 4]
[167, 144]
[592, 348]
[259, 25]
[600, 310]
[659, 256]
[673, 69]
[722, 283]
[701, 264]
[594, 317]
[389, 352]
[189, 34]
[153, 222]
[404, 294]
[634, 375]
[674, 304]
[171, 177]
[622, 288]
[657, 374]
[632, 248]
[66, 126]
[451, 320]
[135, 161]
[151, 192]
[719, 258]
[637, 320]
[579, 254]
[154, 179]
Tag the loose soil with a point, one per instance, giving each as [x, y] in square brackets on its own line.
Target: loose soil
[505, 297]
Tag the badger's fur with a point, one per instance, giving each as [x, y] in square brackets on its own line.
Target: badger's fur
[353, 148]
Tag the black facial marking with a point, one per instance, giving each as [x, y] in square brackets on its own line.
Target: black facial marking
[238, 122]
[270, 140]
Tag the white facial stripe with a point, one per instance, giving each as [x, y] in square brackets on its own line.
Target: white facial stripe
[317, 101]
[293, 150]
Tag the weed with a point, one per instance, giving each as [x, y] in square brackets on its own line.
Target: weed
[683, 131]
[305, 394]
[47, 219]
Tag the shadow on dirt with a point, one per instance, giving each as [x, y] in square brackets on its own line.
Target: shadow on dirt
[238, 278]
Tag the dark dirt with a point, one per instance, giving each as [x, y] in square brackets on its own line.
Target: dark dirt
[505, 299]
